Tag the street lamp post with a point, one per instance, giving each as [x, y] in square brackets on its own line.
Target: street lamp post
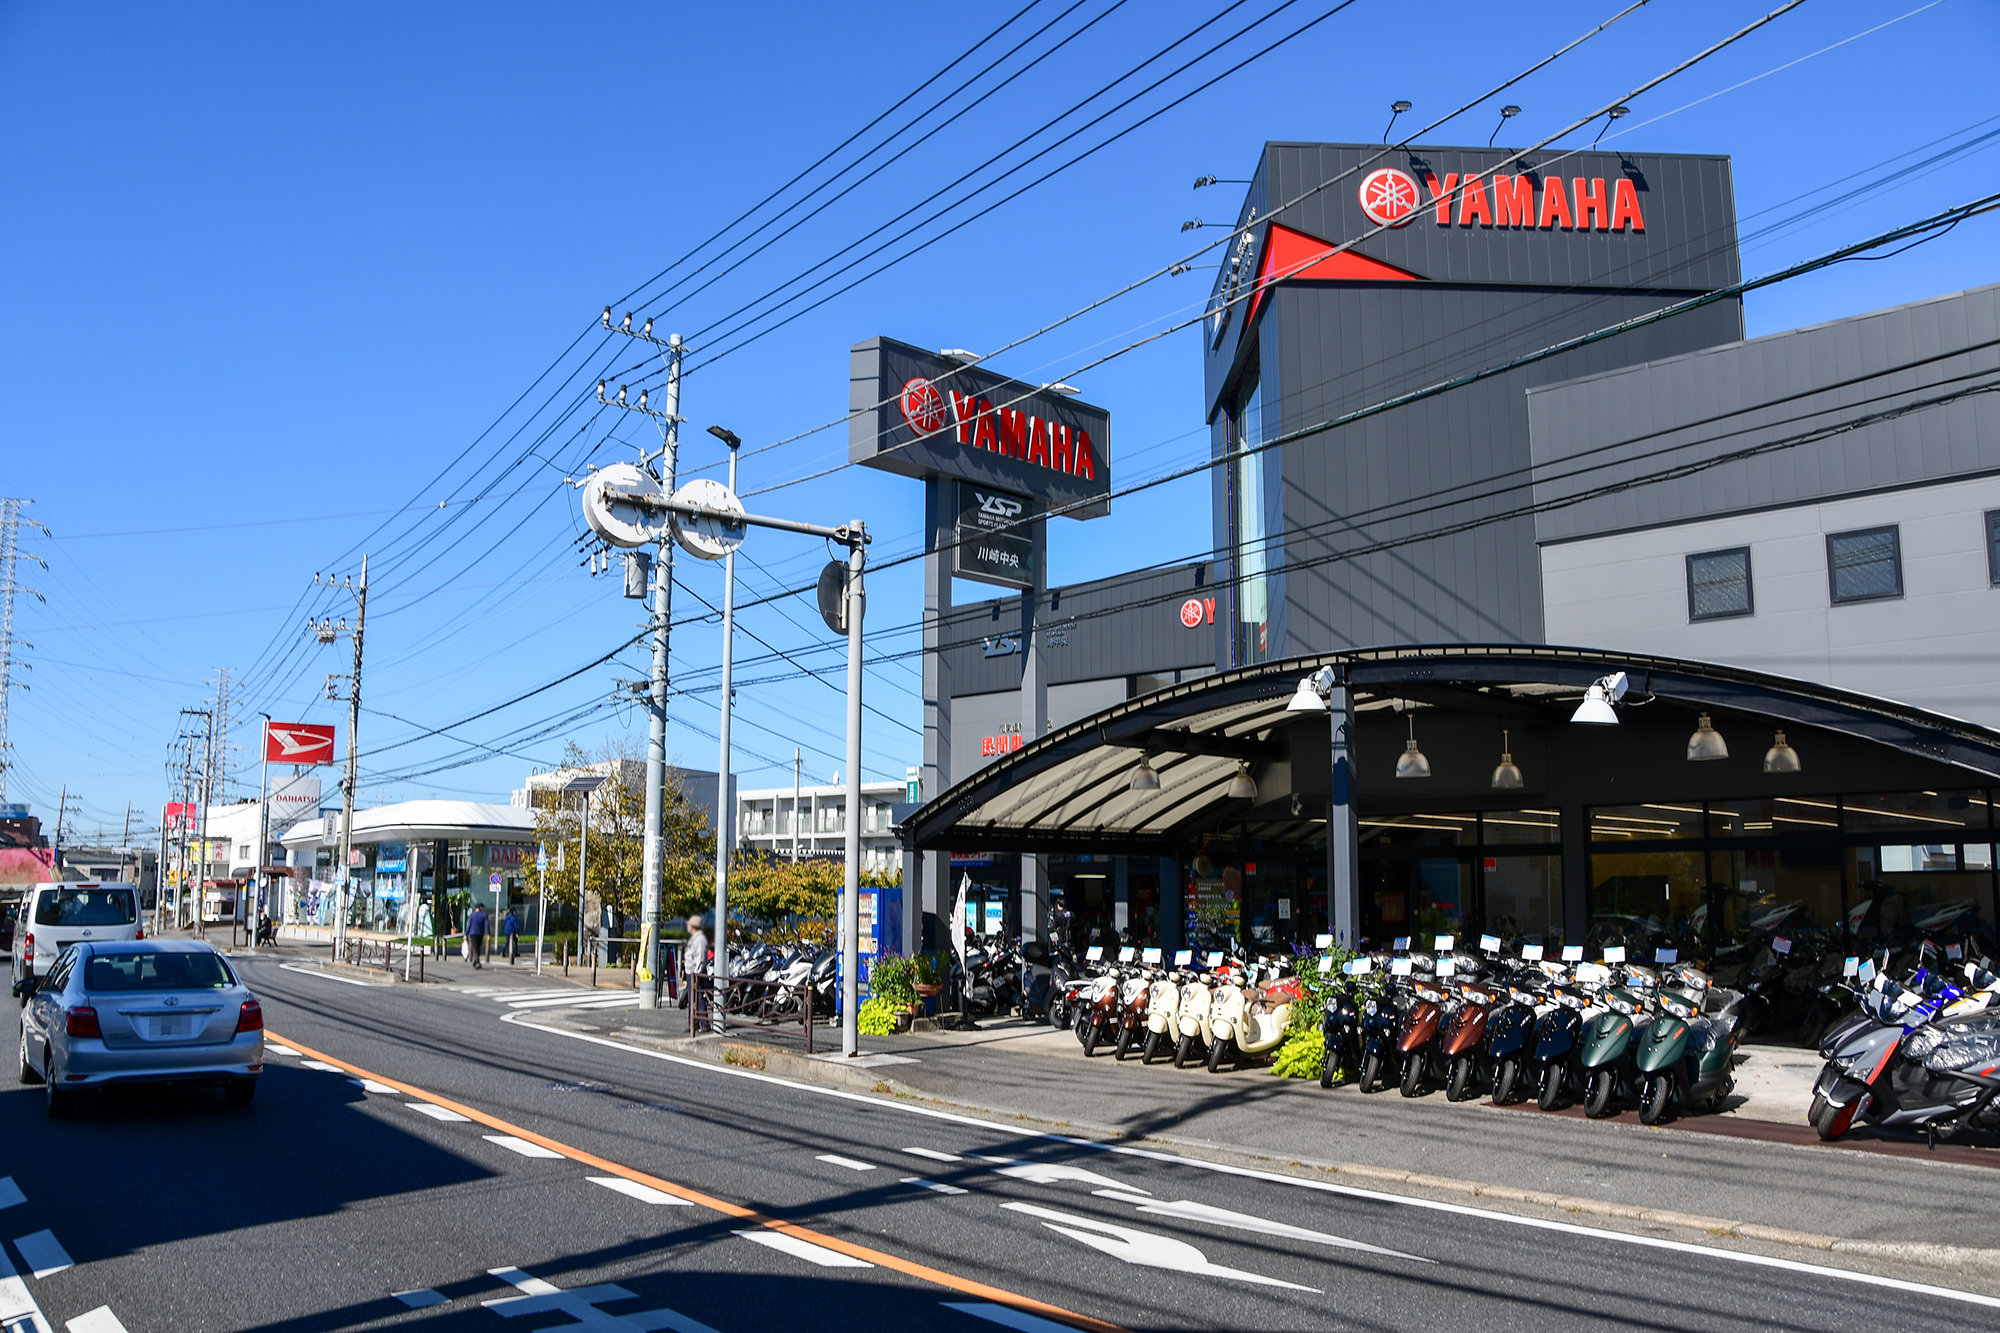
[583, 785]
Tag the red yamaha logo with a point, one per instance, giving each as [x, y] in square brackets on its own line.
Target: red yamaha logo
[1191, 612]
[923, 406]
[1389, 196]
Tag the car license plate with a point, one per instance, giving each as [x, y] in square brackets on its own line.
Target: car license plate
[169, 1026]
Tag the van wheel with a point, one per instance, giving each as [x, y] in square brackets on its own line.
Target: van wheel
[238, 1092]
[28, 1074]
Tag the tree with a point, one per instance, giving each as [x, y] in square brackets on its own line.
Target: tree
[617, 850]
[796, 897]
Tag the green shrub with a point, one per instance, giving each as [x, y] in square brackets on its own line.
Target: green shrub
[1302, 1056]
[877, 1017]
[894, 979]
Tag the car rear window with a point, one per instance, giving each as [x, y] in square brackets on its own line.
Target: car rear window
[86, 907]
[155, 971]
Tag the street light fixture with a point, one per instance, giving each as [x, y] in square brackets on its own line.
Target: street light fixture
[1781, 757]
[1707, 742]
[1242, 787]
[1396, 108]
[1507, 113]
[583, 784]
[1411, 762]
[1597, 700]
[1145, 777]
[1506, 777]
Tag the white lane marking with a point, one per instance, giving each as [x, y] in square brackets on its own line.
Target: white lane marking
[420, 1299]
[1050, 1173]
[940, 1187]
[434, 1112]
[1007, 1317]
[323, 1065]
[528, 1283]
[521, 1146]
[100, 1320]
[328, 976]
[836, 1159]
[18, 1311]
[548, 999]
[370, 1085]
[633, 1189]
[1272, 1177]
[805, 1249]
[1145, 1248]
[10, 1193]
[581, 1304]
[933, 1154]
[623, 1002]
[1208, 1214]
[274, 1048]
[43, 1253]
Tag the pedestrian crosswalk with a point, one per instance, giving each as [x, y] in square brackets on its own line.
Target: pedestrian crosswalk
[518, 997]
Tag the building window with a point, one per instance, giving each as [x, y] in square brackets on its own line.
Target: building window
[1719, 584]
[1864, 566]
[1250, 536]
[1993, 547]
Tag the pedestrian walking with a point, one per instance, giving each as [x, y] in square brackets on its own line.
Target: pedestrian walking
[475, 935]
[694, 959]
[510, 927]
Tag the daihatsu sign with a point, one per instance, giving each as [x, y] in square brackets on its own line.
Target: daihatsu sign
[926, 415]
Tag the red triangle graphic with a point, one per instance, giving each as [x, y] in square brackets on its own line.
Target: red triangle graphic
[1290, 255]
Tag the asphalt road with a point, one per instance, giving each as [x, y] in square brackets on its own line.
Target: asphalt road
[580, 1184]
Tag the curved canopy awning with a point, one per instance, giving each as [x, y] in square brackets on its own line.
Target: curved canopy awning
[1072, 790]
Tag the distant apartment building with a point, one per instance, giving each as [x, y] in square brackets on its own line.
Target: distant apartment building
[767, 820]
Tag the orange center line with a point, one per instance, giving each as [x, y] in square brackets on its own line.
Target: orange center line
[907, 1267]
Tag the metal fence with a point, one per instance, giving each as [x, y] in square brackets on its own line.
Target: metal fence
[761, 1003]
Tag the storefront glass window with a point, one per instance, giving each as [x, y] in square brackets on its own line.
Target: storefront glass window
[1646, 900]
[1251, 633]
[1907, 893]
[1524, 898]
[1517, 826]
[1391, 831]
[1951, 813]
[1645, 823]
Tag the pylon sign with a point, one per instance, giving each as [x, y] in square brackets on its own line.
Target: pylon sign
[297, 743]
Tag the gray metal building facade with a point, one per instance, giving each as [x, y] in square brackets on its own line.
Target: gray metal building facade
[1408, 526]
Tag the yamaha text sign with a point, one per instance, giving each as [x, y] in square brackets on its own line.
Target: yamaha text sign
[924, 415]
[998, 537]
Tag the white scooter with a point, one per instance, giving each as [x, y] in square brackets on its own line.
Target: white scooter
[1251, 1019]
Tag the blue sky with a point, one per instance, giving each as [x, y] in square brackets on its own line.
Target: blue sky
[269, 271]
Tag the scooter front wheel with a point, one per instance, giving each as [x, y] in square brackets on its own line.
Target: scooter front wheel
[1653, 1099]
[1090, 1041]
[1326, 1068]
[1181, 1050]
[1833, 1120]
[1552, 1086]
[1413, 1073]
[1152, 1047]
[1598, 1104]
[1215, 1056]
[1371, 1072]
[1124, 1046]
[1459, 1086]
[1503, 1082]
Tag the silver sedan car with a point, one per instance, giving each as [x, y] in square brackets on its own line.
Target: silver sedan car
[141, 1011]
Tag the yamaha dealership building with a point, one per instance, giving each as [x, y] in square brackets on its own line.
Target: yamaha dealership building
[1464, 408]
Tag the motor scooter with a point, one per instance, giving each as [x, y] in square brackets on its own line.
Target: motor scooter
[1340, 1021]
[1249, 1020]
[1558, 1033]
[1197, 999]
[1099, 1018]
[1381, 1017]
[1467, 1058]
[1510, 1034]
[1163, 1009]
[1687, 1057]
[1620, 1018]
[1417, 1033]
[1134, 1002]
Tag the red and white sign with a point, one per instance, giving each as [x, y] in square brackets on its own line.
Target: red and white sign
[1544, 203]
[1013, 433]
[1389, 197]
[1197, 609]
[179, 816]
[923, 406]
[297, 743]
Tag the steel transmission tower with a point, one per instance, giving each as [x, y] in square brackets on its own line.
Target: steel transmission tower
[11, 523]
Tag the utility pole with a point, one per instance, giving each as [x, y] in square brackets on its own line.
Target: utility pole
[125, 841]
[326, 632]
[798, 772]
[190, 875]
[11, 523]
[207, 798]
[669, 424]
[62, 809]
[725, 808]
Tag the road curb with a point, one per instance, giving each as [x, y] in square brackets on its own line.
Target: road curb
[806, 1069]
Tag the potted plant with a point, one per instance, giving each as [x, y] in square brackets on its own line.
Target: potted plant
[926, 976]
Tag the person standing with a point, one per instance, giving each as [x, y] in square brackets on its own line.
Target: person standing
[510, 929]
[475, 934]
[694, 958]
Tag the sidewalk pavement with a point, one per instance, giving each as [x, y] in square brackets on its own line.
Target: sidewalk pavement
[1754, 1174]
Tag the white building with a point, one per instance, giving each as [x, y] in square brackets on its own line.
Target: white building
[765, 823]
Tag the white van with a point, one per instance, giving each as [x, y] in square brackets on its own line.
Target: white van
[56, 915]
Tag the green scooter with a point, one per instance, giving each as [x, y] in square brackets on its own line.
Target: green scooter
[1609, 1074]
[1687, 1057]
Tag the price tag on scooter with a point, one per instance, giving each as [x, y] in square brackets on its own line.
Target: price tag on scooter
[1322, 941]
[1447, 967]
[1615, 954]
[1402, 943]
[1850, 967]
[1358, 967]
[1445, 943]
[1399, 967]
[1531, 953]
[1572, 953]
[1183, 957]
[1779, 944]
[1666, 956]
[1094, 954]
[1215, 959]
[1592, 973]
[1125, 954]
[1325, 966]
[1150, 956]
[1489, 944]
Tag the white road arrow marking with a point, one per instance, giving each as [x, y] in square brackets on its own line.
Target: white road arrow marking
[1050, 1173]
[1145, 1248]
[18, 1311]
[581, 1304]
[1223, 1217]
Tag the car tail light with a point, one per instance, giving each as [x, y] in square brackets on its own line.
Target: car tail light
[81, 1022]
[251, 1017]
[28, 955]
[141, 935]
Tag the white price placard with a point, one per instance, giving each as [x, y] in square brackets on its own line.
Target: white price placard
[1665, 956]
[1572, 953]
[1402, 943]
[1358, 967]
[1325, 966]
[1445, 943]
[1779, 944]
[1182, 957]
[1125, 954]
[1215, 959]
[1531, 953]
[1322, 941]
[1399, 967]
[1850, 967]
[1489, 944]
[1150, 956]
[1095, 953]
[1615, 954]
[1447, 967]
